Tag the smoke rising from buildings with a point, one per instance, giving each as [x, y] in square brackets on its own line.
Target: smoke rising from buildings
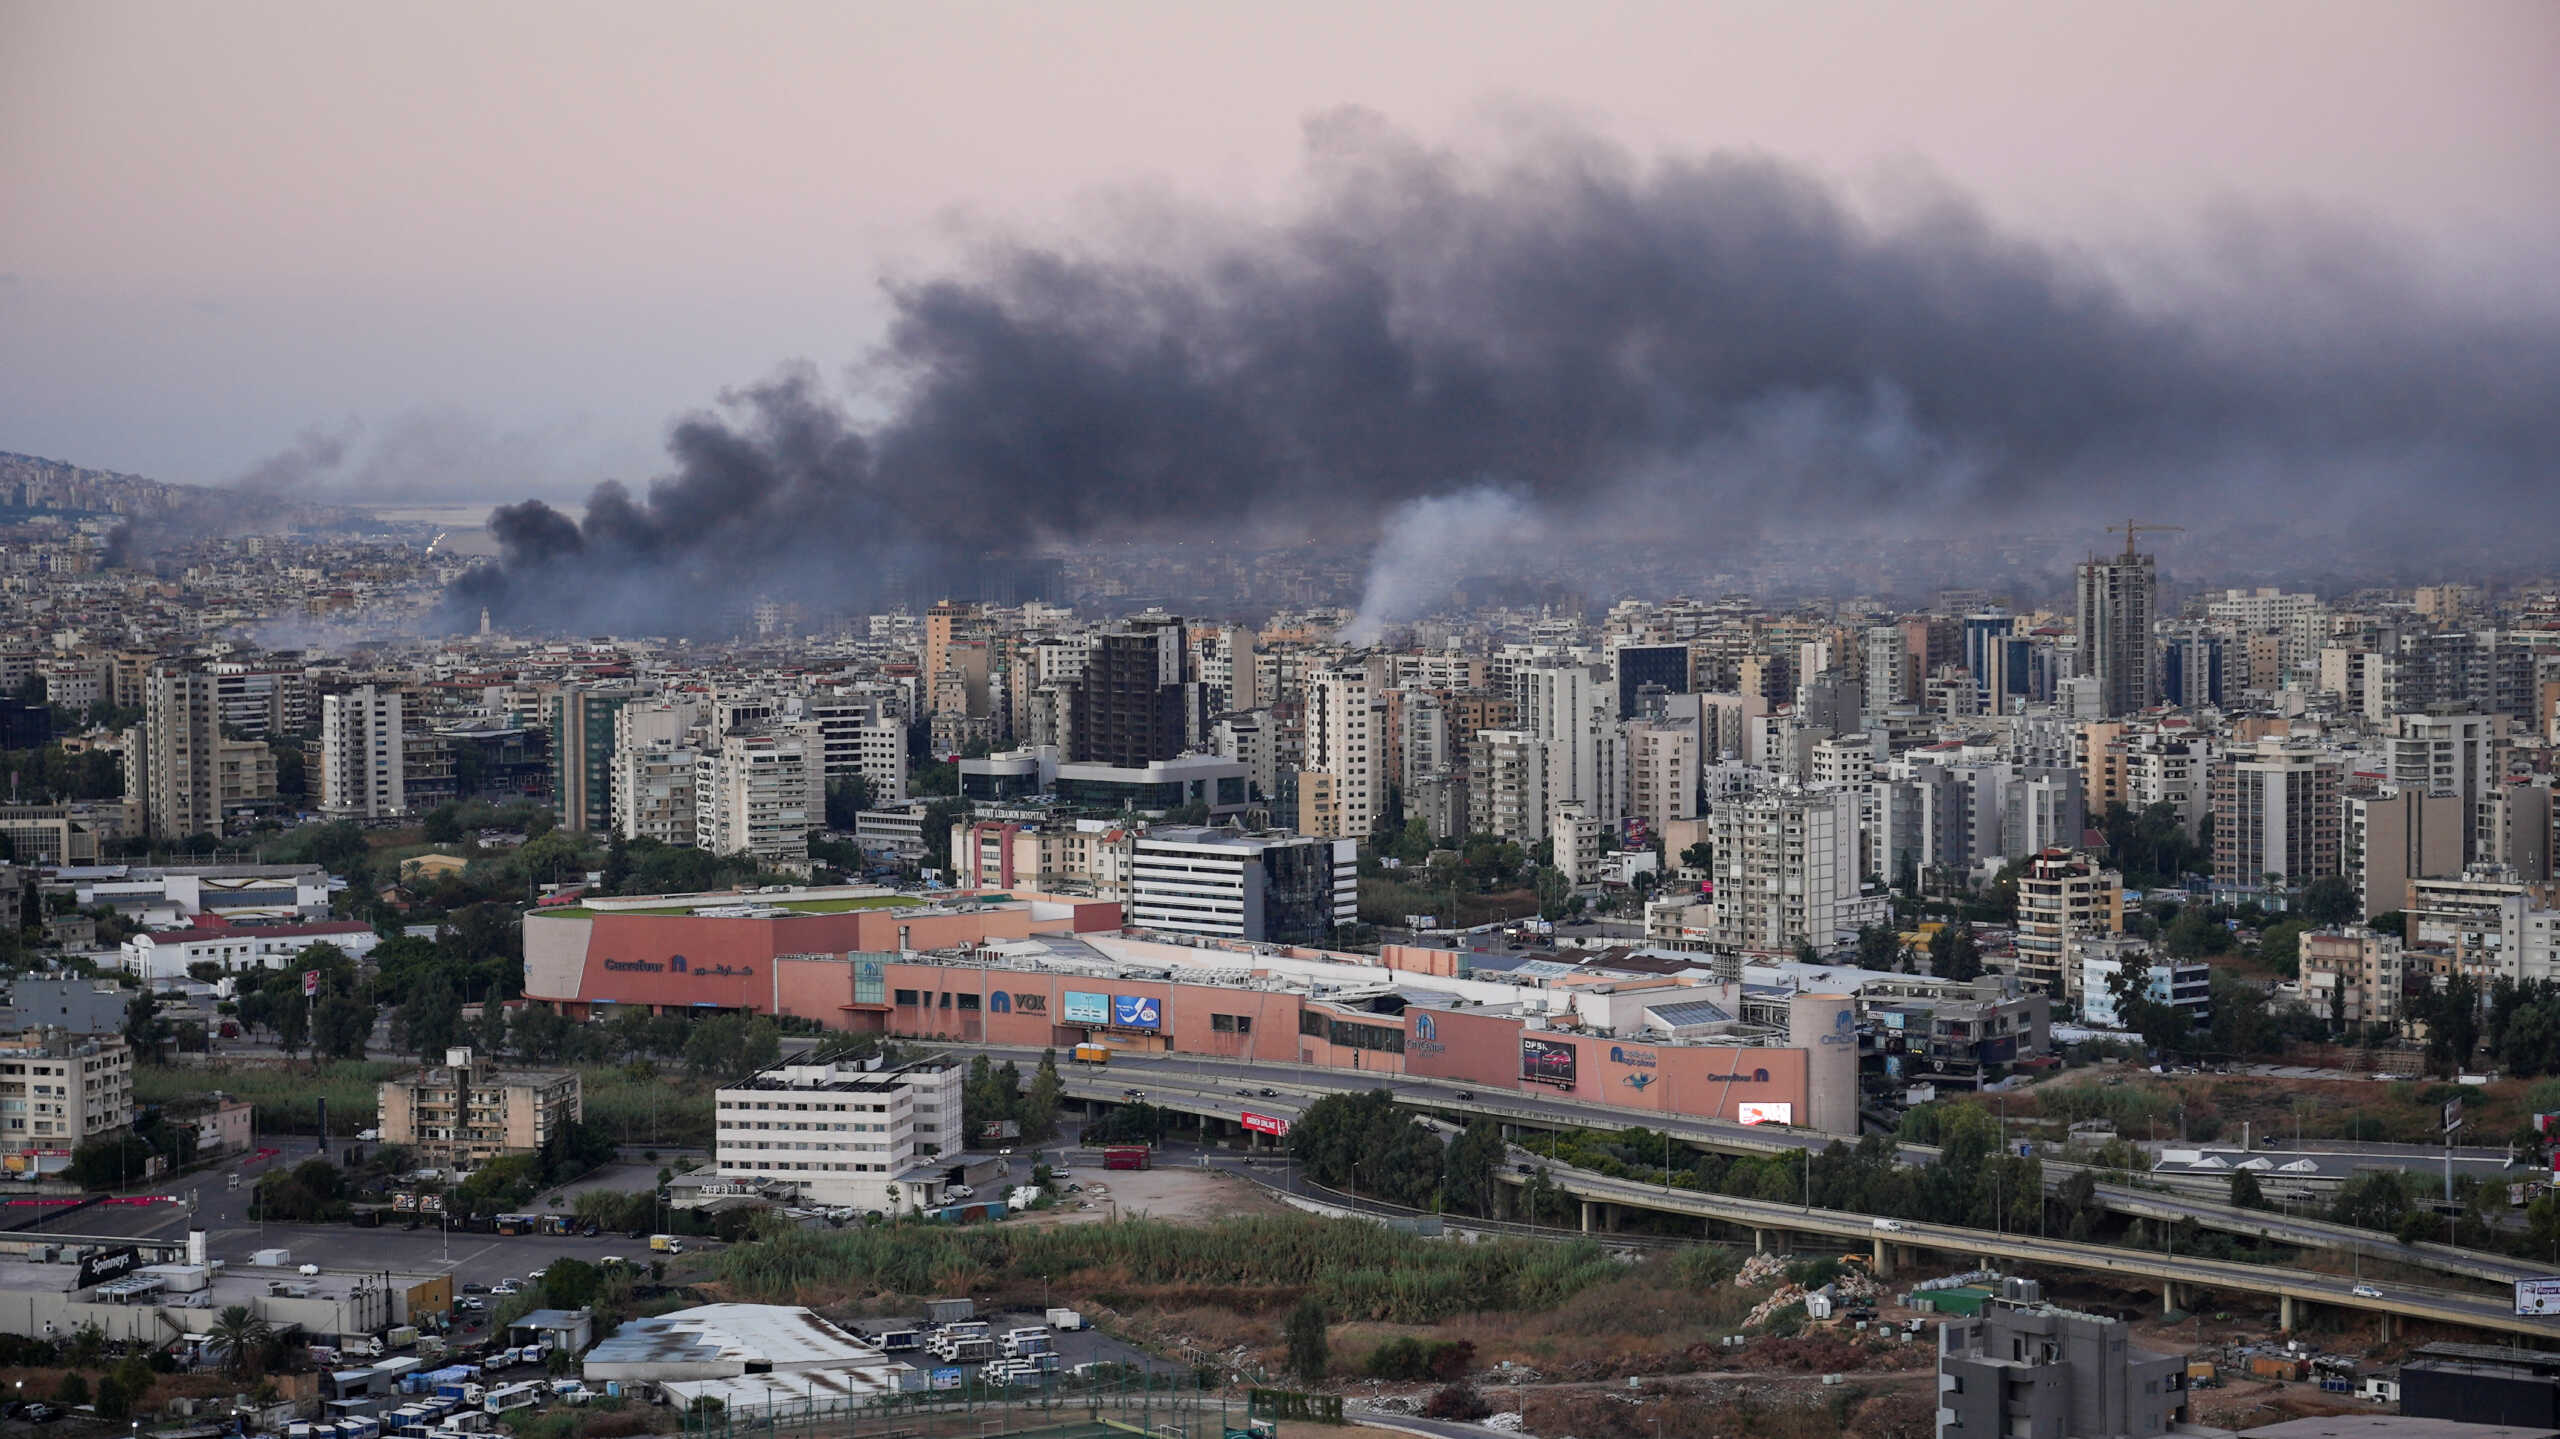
[1677, 350]
[1426, 545]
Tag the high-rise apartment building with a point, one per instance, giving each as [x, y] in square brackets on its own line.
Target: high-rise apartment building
[2063, 896]
[2390, 836]
[761, 794]
[653, 793]
[1346, 739]
[1662, 772]
[1507, 786]
[1892, 679]
[363, 754]
[2448, 755]
[1786, 870]
[2117, 594]
[1636, 667]
[171, 772]
[2275, 816]
[1572, 709]
[581, 720]
[1130, 706]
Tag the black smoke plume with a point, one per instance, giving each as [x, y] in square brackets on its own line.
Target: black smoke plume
[1683, 350]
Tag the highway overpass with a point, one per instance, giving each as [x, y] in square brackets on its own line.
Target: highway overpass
[1603, 1198]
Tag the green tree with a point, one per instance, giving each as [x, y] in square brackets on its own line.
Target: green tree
[240, 1334]
[1474, 1159]
[571, 1283]
[1700, 856]
[72, 1392]
[1879, 947]
[2280, 946]
[145, 1032]
[2331, 900]
[1041, 1102]
[2245, 1193]
[1304, 1334]
[341, 1027]
[430, 1019]
[1955, 954]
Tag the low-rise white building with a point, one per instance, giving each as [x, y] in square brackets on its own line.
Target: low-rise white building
[165, 954]
[843, 1135]
[2185, 985]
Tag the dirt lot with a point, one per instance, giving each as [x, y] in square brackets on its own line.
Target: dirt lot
[1169, 1193]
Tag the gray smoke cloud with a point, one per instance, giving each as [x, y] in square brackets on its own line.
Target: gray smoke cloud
[1676, 350]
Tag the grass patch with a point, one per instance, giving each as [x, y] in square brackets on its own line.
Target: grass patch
[661, 1109]
[1359, 1270]
[797, 906]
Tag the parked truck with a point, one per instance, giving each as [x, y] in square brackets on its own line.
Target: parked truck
[1025, 1343]
[1065, 1320]
[1093, 1054]
[665, 1244]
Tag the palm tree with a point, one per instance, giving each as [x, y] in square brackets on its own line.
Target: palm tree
[238, 1332]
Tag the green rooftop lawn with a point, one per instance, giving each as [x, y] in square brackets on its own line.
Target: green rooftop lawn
[801, 906]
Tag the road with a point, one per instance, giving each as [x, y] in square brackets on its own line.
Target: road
[1225, 1088]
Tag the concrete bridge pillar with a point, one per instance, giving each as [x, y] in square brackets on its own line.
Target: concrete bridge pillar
[1586, 1216]
[2285, 1313]
[1759, 1240]
[1883, 1257]
[2390, 1325]
[1610, 1215]
[2169, 1296]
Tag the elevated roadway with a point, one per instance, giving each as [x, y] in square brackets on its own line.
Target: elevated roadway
[1219, 1089]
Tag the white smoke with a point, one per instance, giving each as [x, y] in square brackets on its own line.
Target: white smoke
[1428, 545]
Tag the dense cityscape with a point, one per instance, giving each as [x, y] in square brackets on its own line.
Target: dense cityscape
[1473, 721]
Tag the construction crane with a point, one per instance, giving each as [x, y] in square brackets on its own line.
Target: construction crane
[2131, 529]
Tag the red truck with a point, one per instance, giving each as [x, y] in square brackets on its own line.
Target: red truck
[1124, 1156]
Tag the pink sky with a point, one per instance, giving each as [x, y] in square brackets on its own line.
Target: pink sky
[556, 225]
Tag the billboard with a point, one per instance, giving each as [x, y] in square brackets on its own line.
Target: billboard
[2538, 1296]
[1549, 1061]
[1136, 1011]
[946, 1378]
[1765, 1112]
[1083, 1006]
[1263, 1123]
[116, 1263]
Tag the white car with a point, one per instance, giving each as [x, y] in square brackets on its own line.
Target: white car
[310, 1269]
[505, 1286]
[2367, 1291]
[536, 1276]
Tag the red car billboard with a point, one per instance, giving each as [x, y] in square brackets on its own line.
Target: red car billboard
[1548, 1061]
[1264, 1123]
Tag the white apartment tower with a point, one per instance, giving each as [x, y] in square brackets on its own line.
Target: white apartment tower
[362, 772]
[1346, 759]
[653, 794]
[1662, 772]
[1507, 786]
[1786, 869]
[1572, 709]
[761, 793]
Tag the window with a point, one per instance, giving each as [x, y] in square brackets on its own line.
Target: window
[969, 1002]
[906, 996]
